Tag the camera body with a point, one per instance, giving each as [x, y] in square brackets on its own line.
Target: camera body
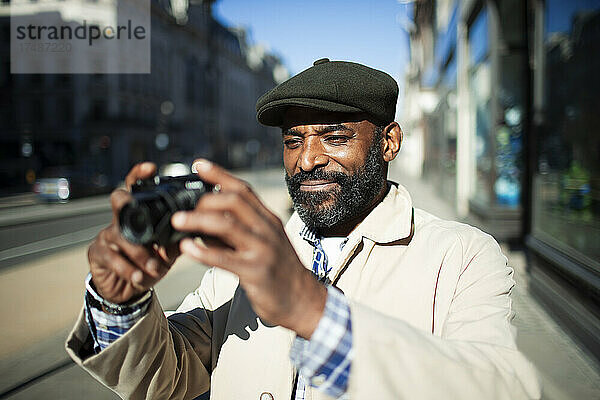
[146, 219]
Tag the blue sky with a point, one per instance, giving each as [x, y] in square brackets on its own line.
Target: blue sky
[369, 32]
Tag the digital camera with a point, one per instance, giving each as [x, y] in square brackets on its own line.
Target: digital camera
[146, 219]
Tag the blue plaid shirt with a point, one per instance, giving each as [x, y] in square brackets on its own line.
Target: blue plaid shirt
[322, 362]
[107, 328]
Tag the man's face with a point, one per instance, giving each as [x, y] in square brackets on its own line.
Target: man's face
[334, 165]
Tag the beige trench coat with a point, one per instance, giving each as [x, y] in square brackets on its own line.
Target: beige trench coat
[430, 308]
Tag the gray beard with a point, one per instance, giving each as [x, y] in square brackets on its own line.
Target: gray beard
[353, 196]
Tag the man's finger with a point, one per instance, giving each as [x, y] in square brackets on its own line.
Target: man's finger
[111, 259]
[230, 202]
[146, 259]
[118, 198]
[140, 171]
[214, 256]
[168, 254]
[225, 227]
[216, 175]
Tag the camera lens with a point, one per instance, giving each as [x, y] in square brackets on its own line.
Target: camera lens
[136, 224]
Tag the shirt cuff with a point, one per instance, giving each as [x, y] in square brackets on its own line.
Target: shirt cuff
[324, 361]
[107, 328]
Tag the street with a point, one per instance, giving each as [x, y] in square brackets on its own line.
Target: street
[40, 299]
[33, 230]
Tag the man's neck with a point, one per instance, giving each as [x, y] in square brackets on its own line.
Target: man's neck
[344, 229]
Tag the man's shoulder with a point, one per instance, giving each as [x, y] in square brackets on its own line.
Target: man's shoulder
[427, 223]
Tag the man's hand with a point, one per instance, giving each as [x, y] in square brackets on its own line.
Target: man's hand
[122, 271]
[257, 249]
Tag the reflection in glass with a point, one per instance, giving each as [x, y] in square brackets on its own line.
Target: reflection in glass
[566, 209]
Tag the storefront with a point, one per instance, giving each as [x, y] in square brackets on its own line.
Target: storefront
[516, 131]
[441, 123]
[473, 137]
[496, 76]
[564, 237]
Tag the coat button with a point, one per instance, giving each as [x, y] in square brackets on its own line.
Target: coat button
[266, 396]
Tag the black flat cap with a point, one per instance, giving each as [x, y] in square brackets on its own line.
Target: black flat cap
[335, 86]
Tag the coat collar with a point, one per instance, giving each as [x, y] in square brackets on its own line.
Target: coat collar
[390, 220]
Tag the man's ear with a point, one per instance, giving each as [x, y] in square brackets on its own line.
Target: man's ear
[392, 140]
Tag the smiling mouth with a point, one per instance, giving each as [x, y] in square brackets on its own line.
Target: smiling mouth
[317, 185]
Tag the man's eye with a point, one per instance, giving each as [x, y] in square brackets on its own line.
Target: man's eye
[292, 143]
[336, 139]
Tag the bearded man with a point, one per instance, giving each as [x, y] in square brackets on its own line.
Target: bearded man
[361, 296]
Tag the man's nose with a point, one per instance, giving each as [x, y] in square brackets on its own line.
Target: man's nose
[313, 155]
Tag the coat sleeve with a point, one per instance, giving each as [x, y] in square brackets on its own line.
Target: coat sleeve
[474, 356]
[158, 358]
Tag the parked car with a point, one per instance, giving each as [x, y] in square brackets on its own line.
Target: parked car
[62, 184]
[52, 189]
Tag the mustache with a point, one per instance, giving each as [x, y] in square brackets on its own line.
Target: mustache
[296, 180]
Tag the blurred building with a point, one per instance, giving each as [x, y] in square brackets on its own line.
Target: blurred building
[198, 100]
[502, 96]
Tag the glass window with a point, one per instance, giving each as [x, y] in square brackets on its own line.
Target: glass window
[509, 133]
[566, 191]
[450, 74]
[480, 93]
[446, 39]
[480, 86]
[478, 38]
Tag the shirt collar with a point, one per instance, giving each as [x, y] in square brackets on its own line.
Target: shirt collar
[309, 235]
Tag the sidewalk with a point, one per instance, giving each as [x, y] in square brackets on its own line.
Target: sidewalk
[565, 370]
